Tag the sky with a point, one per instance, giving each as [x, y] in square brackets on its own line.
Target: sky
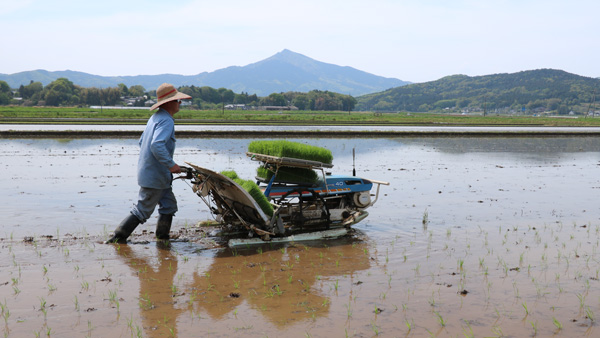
[411, 40]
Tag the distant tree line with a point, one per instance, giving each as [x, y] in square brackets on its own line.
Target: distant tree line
[320, 100]
[63, 92]
[211, 98]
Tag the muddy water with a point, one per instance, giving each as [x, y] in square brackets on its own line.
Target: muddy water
[474, 236]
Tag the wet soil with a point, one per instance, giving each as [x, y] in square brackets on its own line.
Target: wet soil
[474, 237]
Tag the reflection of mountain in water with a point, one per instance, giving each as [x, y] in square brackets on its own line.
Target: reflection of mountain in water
[339, 146]
[507, 144]
[279, 282]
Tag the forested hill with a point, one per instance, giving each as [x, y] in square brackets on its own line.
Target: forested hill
[529, 91]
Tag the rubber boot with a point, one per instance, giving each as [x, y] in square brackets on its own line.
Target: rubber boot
[124, 230]
[163, 227]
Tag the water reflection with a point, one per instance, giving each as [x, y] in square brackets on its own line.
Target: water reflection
[283, 285]
[157, 291]
[458, 145]
[280, 283]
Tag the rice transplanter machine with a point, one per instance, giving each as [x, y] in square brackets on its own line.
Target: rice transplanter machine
[284, 207]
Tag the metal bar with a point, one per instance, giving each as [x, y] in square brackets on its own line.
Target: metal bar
[334, 233]
[378, 182]
[288, 161]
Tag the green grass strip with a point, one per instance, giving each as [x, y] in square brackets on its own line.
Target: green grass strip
[283, 148]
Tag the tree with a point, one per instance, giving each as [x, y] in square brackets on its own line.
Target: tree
[301, 102]
[5, 93]
[31, 90]
[210, 94]
[227, 95]
[348, 103]
[274, 99]
[123, 89]
[60, 92]
[136, 91]
[4, 87]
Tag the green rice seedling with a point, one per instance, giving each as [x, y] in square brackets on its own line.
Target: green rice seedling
[440, 318]
[283, 148]
[43, 307]
[230, 174]
[432, 300]
[524, 304]
[581, 300]
[51, 287]
[375, 328]
[497, 331]
[469, 333]
[534, 326]
[521, 259]
[145, 302]
[590, 314]
[557, 323]
[5, 312]
[289, 174]
[254, 191]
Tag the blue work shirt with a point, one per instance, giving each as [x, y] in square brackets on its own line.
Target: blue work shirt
[157, 145]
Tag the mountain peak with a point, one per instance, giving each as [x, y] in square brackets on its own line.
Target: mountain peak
[282, 72]
[287, 56]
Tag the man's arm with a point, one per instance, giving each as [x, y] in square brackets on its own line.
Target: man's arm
[158, 145]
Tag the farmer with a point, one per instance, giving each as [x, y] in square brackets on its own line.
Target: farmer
[155, 168]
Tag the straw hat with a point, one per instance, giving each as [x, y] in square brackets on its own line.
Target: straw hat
[166, 93]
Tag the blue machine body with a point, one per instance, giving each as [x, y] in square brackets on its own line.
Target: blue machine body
[336, 185]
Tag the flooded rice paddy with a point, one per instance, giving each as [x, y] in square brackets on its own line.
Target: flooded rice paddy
[474, 237]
